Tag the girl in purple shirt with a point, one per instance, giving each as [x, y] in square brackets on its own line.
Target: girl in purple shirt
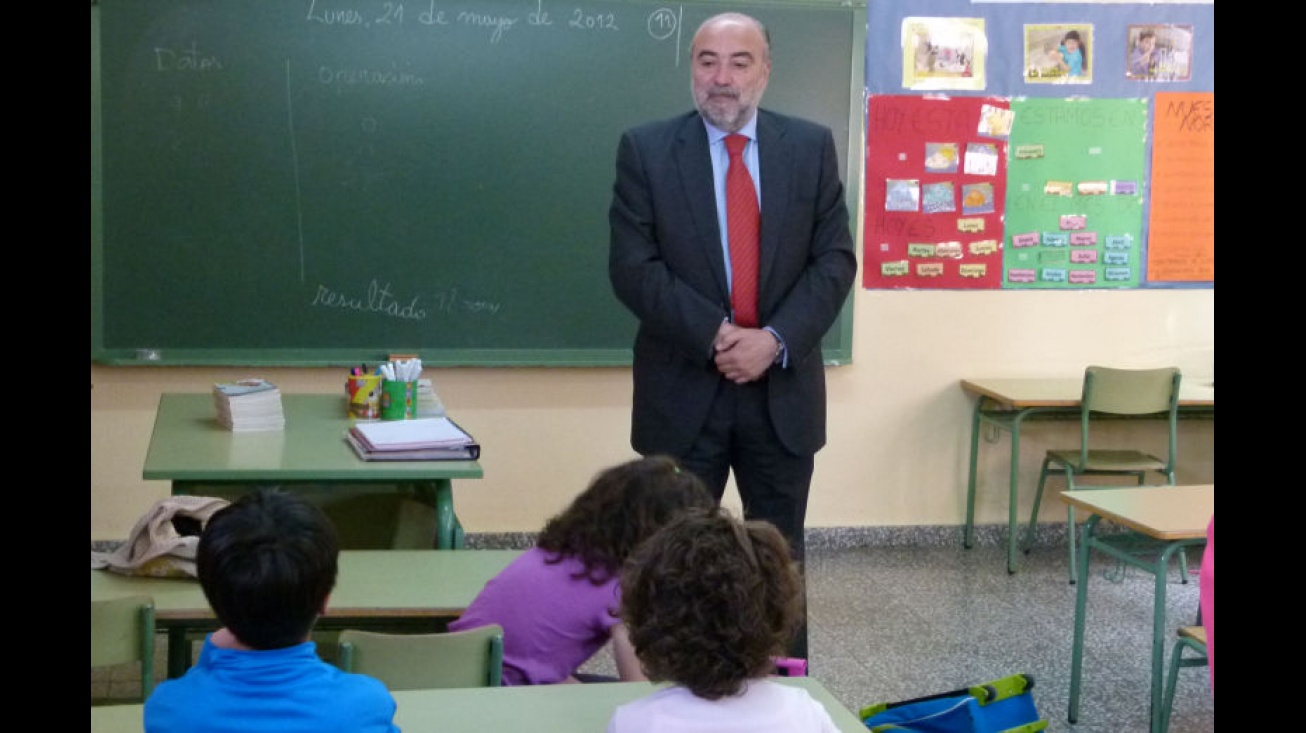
[558, 602]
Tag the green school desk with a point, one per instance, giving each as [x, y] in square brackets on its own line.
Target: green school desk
[1173, 517]
[418, 590]
[200, 457]
[539, 709]
[1006, 404]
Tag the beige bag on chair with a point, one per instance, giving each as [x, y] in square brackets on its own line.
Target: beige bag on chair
[164, 540]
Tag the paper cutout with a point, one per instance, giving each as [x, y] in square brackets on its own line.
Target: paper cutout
[938, 197]
[941, 157]
[977, 198]
[902, 195]
[981, 159]
[1073, 221]
[1181, 230]
[1026, 152]
[995, 121]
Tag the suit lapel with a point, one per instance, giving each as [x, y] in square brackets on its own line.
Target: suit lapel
[775, 160]
[694, 166]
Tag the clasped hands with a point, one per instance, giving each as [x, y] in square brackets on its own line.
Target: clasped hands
[743, 355]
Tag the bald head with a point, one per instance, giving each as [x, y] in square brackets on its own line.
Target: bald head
[731, 60]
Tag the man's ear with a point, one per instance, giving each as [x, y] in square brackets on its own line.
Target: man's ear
[325, 602]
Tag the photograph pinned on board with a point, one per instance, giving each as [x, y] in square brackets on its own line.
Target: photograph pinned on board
[1159, 53]
[1058, 53]
[943, 53]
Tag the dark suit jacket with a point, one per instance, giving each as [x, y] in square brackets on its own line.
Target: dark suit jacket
[667, 267]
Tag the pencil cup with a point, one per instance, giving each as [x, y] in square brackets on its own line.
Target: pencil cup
[364, 393]
[398, 400]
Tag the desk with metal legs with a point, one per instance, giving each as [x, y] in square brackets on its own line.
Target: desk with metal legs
[199, 456]
[1173, 518]
[1005, 404]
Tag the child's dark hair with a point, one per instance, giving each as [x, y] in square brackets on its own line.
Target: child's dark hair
[709, 601]
[622, 506]
[267, 563]
[1073, 35]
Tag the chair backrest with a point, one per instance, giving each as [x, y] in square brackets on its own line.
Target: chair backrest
[1111, 391]
[122, 631]
[467, 658]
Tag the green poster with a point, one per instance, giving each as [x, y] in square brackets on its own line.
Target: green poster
[1075, 193]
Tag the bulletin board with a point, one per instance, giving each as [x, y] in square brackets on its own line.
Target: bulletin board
[1020, 145]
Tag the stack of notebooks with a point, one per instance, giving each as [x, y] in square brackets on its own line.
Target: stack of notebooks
[249, 405]
[423, 439]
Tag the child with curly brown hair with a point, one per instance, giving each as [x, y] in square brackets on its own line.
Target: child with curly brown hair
[709, 603]
[558, 602]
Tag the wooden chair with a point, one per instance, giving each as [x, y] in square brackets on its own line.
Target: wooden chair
[1120, 393]
[122, 632]
[468, 658]
[1190, 639]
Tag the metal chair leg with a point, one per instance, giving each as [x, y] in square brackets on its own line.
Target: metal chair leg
[1038, 501]
[1177, 660]
[1071, 529]
[1183, 556]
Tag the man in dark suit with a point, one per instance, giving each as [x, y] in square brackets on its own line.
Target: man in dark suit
[720, 394]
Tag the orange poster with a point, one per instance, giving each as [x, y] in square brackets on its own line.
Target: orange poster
[1181, 232]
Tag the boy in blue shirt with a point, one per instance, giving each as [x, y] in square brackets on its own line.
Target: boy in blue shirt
[267, 564]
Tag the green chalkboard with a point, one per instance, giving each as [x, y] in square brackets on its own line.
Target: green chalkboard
[324, 182]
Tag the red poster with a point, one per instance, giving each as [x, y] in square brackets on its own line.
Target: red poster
[936, 172]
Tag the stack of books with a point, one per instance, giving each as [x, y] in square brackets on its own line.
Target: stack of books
[249, 405]
[423, 439]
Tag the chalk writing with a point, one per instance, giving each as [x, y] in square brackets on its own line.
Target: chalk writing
[496, 23]
[394, 14]
[185, 59]
[598, 21]
[334, 16]
[368, 77]
[662, 23]
[377, 299]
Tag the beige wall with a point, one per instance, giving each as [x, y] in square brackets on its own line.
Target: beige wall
[899, 423]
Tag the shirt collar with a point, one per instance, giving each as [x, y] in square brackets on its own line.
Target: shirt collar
[715, 134]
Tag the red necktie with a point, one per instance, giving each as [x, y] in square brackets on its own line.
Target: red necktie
[743, 222]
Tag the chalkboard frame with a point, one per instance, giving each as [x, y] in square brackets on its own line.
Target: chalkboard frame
[837, 344]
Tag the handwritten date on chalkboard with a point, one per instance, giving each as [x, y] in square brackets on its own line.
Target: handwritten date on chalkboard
[433, 14]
